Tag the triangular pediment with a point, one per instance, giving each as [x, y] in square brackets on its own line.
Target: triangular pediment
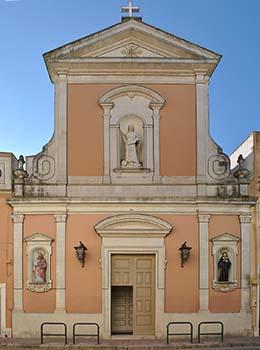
[131, 39]
[38, 237]
[225, 237]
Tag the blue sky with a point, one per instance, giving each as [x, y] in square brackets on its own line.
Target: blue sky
[30, 28]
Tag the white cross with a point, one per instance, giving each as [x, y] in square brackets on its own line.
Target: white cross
[130, 8]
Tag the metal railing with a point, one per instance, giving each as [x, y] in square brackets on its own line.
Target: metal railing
[85, 334]
[221, 333]
[54, 334]
[179, 323]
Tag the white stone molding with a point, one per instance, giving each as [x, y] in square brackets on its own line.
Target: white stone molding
[156, 117]
[245, 257]
[134, 239]
[140, 105]
[2, 308]
[137, 89]
[6, 173]
[107, 114]
[18, 220]
[61, 128]
[39, 242]
[164, 78]
[204, 261]
[225, 242]
[257, 311]
[60, 260]
[50, 165]
[133, 225]
[202, 129]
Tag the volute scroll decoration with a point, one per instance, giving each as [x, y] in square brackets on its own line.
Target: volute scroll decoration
[43, 167]
[219, 166]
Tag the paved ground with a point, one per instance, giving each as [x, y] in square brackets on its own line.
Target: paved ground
[239, 343]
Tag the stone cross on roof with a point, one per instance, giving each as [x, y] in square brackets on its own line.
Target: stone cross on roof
[130, 8]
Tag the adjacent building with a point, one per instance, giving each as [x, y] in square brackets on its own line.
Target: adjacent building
[250, 151]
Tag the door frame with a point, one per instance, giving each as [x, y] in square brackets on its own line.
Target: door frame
[133, 234]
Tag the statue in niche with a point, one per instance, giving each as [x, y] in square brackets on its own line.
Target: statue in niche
[131, 140]
[224, 265]
[39, 267]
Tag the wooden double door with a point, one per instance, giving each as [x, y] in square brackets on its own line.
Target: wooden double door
[133, 294]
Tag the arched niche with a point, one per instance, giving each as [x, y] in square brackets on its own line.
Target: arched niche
[228, 244]
[39, 251]
[139, 103]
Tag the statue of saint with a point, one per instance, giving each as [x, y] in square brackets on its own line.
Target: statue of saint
[21, 162]
[131, 139]
[39, 268]
[224, 265]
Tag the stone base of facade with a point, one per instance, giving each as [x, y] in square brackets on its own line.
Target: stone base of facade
[27, 325]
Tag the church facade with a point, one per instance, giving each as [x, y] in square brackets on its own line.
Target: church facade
[130, 216]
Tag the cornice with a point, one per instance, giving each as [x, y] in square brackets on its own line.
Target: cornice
[131, 67]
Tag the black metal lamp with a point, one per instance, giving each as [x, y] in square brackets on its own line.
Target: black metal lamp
[184, 253]
[81, 253]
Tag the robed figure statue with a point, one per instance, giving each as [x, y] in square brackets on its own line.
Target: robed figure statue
[131, 139]
[224, 265]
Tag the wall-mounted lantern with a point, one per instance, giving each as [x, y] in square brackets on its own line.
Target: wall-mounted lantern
[81, 253]
[184, 253]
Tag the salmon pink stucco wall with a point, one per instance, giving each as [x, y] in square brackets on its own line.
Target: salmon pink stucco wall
[177, 130]
[83, 284]
[39, 302]
[86, 134]
[85, 129]
[228, 301]
[182, 283]
[6, 254]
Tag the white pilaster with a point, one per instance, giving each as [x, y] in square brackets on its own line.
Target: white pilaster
[60, 260]
[18, 220]
[156, 127]
[202, 130]
[3, 307]
[245, 263]
[204, 260]
[61, 128]
[107, 114]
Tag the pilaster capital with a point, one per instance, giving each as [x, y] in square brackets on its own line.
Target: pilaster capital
[203, 218]
[18, 218]
[60, 217]
[245, 218]
[107, 106]
[156, 109]
[201, 77]
[61, 77]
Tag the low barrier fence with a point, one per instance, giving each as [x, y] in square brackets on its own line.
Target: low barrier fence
[190, 333]
[85, 334]
[65, 334]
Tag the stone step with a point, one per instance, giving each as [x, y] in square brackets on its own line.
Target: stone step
[136, 346]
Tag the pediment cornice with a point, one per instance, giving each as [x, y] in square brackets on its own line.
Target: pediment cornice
[131, 40]
[133, 225]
